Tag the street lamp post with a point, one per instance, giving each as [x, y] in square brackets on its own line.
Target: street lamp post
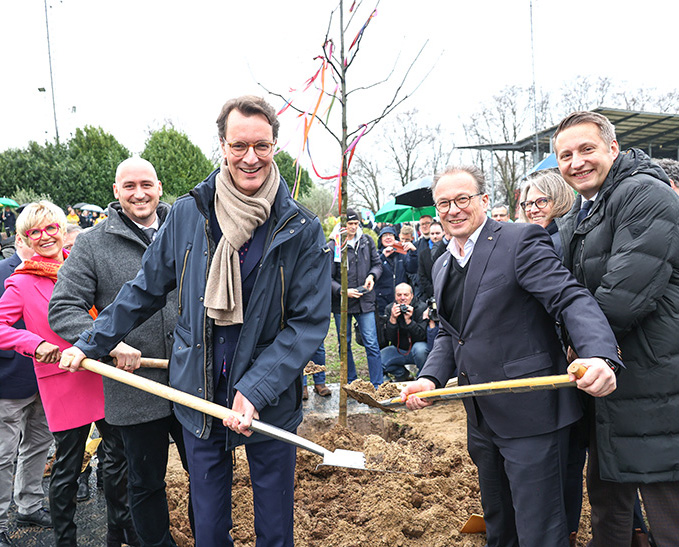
[49, 56]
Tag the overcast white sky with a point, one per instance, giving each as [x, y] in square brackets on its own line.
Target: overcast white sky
[129, 65]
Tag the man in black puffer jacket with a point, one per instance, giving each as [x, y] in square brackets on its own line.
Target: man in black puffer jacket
[621, 240]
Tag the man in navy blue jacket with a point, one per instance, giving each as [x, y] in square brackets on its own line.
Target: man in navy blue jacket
[252, 273]
[24, 435]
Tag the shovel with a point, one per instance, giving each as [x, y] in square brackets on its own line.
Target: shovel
[521, 385]
[338, 458]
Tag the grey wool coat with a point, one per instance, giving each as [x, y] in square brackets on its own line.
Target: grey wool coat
[103, 258]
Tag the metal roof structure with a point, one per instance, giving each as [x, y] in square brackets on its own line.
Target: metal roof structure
[655, 133]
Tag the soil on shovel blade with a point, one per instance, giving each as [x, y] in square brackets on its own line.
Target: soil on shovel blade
[337, 507]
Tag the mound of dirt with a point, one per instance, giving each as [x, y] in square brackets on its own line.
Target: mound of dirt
[426, 489]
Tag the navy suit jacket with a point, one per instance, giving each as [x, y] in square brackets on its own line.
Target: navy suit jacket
[17, 377]
[515, 291]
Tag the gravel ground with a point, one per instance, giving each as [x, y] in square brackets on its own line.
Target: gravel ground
[90, 518]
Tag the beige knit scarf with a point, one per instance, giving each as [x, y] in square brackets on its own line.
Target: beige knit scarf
[238, 216]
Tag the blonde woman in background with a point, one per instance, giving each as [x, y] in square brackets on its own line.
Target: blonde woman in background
[544, 197]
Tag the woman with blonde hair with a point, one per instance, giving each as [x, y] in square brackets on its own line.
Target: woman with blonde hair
[544, 197]
[71, 401]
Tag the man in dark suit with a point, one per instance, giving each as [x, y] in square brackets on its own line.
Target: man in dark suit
[500, 288]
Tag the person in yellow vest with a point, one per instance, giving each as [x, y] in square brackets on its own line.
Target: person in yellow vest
[72, 217]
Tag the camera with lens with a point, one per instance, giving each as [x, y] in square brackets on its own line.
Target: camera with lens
[433, 310]
[404, 309]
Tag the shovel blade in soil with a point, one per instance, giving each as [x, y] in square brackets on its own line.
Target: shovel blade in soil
[344, 458]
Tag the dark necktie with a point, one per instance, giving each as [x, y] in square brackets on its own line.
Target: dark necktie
[583, 212]
[150, 233]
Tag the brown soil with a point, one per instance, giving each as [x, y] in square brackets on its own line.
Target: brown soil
[426, 490]
[313, 368]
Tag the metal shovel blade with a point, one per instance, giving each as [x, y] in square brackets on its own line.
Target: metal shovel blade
[344, 458]
[366, 399]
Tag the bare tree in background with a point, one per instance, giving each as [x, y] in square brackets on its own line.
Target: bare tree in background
[585, 93]
[506, 118]
[367, 187]
[649, 100]
[407, 150]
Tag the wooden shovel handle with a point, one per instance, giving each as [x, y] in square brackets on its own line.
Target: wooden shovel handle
[196, 403]
[577, 370]
[161, 390]
[149, 362]
[543, 382]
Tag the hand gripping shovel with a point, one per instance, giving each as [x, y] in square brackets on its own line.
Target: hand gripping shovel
[338, 458]
[520, 385]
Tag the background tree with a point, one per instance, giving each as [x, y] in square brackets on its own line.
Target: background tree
[47, 170]
[320, 201]
[290, 171]
[368, 187]
[180, 164]
[407, 150]
[81, 170]
[509, 116]
[95, 154]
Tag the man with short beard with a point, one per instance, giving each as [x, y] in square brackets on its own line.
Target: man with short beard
[104, 259]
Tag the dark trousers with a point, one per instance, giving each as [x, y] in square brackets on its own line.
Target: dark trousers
[613, 507]
[70, 447]
[522, 486]
[146, 450]
[577, 454]
[272, 473]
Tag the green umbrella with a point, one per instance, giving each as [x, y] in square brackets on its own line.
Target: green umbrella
[9, 202]
[393, 213]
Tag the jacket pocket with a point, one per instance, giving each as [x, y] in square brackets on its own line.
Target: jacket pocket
[181, 345]
[528, 366]
[491, 282]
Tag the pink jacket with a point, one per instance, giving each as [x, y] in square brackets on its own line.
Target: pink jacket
[70, 399]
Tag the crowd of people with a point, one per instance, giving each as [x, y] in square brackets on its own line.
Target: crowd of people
[235, 284]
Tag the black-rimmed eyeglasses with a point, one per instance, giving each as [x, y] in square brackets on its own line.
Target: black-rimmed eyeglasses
[540, 203]
[461, 202]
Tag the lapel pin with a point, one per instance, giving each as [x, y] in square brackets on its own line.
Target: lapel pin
[490, 238]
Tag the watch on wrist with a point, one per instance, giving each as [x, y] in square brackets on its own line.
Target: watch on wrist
[615, 367]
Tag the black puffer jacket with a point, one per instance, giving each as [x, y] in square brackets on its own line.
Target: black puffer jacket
[626, 252]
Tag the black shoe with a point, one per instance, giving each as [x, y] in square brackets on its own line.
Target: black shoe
[40, 518]
[4, 539]
[83, 493]
[116, 537]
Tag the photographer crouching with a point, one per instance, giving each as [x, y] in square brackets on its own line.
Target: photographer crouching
[406, 331]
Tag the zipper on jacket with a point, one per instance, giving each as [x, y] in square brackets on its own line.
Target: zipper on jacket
[207, 270]
[581, 262]
[181, 279]
[282, 299]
